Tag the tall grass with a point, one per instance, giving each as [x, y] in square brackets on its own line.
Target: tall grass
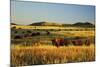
[33, 55]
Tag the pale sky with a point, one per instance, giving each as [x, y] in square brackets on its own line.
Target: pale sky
[23, 12]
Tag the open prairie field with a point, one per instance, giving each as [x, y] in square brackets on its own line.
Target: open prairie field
[34, 55]
[47, 34]
[54, 30]
[51, 27]
[38, 48]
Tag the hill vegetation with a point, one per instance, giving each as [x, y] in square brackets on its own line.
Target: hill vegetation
[78, 24]
[44, 23]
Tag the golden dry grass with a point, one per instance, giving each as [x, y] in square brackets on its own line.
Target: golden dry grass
[33, 55]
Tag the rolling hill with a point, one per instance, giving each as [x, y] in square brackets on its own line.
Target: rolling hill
[45, 24]
[78, 24]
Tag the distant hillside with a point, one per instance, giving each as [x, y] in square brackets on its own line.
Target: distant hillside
[13, 24]
[45, 24]
[78, 24]
[86, 24]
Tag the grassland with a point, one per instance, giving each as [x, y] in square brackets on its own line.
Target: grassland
[50, 27]
[45, 52]
[22, 56]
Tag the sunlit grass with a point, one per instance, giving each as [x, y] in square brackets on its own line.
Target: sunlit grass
[32, 55]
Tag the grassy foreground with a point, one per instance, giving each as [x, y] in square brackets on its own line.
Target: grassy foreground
[33, 55]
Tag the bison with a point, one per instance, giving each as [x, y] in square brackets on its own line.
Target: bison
[18, 37]
[38, 33]
[77, 42]
[47, 32]
[60, 42]
[87, 42]
[27, 35]
[65, 42]
[35, 34]
[56, 42]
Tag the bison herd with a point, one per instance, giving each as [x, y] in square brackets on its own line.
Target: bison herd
[65, 42]
[29, 35]
[77, 41]
[26, 35]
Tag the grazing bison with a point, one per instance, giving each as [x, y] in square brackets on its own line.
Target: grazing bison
[77, 42]
[38, 33]
[47, 32]
[60, 42]
[35, 34]
[27, 35]
[80, 43]
[56, 42]
[18, 37]
[87, 42]
[65, 42]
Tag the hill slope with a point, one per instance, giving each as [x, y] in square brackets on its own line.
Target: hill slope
[78, 24]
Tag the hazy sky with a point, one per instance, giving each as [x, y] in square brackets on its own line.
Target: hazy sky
[30, 12]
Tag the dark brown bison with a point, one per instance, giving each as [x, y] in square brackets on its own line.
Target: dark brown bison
[35, 34]
[27, 35]
[60, 42]
[77, 42]
[66, 42]
[47, 32]
[38, 33]
[87, 42]
[56, 42]
[18, 37]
